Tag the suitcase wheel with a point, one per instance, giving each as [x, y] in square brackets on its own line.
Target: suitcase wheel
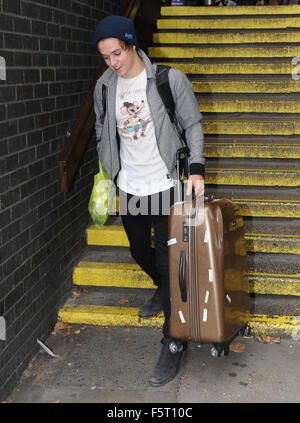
[219, 350]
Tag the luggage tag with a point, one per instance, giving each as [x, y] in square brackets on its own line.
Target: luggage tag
[172, 241]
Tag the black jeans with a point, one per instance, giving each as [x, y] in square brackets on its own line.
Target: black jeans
[139, 214]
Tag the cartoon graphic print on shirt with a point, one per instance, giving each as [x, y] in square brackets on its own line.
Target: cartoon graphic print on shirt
[134, 123]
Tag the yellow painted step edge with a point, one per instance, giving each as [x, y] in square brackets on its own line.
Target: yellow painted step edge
[226, 38]
[248, 105]
[275, 23]
[268, 208]
[283, 68]
[126, 275]
[270, 243]
[255, 150]
[126, 316]
[237, 10]
[223, 51]
[265, 243]
[106, 316]
[232, 126]
[254, 177]
[246, 86]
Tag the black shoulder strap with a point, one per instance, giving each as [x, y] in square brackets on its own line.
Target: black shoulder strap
[164, 90]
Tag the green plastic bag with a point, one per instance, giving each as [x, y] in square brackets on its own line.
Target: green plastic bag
[102, 197]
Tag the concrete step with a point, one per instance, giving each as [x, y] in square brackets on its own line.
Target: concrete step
[128, 316]
[202, 66]
[226, 51]
[237, 11]
[255, 147]
[226, 37]
[226, 23]
[125, 298]
[248, 104]
[247, 176]
[128, 275]
[246, 86]
[273, 202]
[257, 263]
[244, 124]
[266, 243]
[269, 206]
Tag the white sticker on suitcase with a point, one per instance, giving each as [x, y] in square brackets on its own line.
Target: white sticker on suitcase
[204, 317]
[172, 241]
[181, 316]
[210, 275]
[206, 236]
[228, 298]
[206, 297]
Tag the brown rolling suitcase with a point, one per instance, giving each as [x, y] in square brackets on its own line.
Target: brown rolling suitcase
[208, 275]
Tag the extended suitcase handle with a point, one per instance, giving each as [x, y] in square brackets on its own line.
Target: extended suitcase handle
[182, 275]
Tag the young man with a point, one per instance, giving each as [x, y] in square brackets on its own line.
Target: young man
[137, 144]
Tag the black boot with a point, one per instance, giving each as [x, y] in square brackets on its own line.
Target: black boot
[152, 307]
[168, 363]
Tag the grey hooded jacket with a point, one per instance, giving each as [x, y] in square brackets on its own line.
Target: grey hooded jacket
[187, 116]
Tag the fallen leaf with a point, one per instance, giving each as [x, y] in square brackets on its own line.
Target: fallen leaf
[237, 347]
[75, 293]
[123, 301]
[66, 332]
[265, 338]
[56, 401]
[277, 340]
[77, 331]
[127, 330]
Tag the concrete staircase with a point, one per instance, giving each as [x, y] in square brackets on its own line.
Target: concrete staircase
[239, 60]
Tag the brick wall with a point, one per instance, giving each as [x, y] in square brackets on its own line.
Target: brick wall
[50, 63]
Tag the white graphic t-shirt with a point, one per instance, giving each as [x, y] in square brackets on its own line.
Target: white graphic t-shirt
[143, 171]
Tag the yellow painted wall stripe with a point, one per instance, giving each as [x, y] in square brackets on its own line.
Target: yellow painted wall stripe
[226, 37]
[223, 11]
[257, 86]
[125, 275]
[248, 105]
[223, 51]
[125, 316]
[259, 126]
[115, 235]
[266, 68]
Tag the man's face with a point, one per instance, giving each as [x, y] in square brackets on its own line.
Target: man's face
[117, 57]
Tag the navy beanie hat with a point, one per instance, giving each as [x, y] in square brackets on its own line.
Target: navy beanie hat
[116, 27]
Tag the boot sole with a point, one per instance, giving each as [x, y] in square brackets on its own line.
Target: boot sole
[164, 382]
[150, 315]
